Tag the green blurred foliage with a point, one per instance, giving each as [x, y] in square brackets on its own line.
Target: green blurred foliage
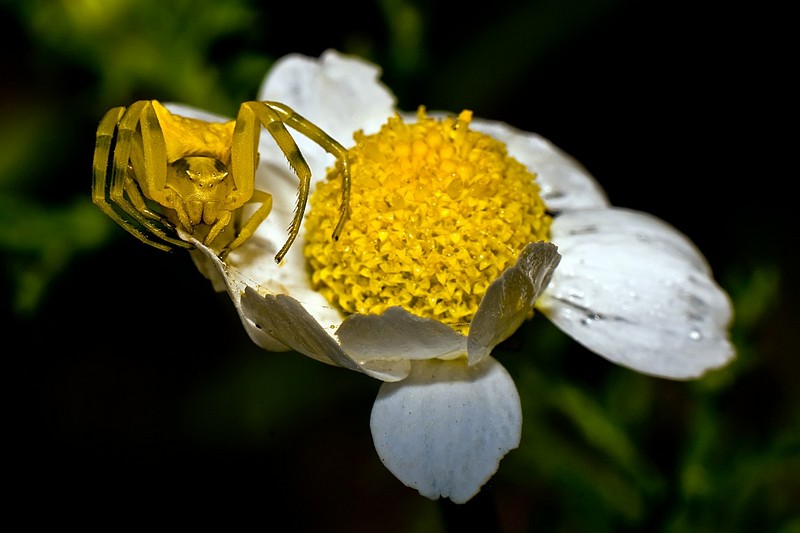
[135, 376]
[163, 47]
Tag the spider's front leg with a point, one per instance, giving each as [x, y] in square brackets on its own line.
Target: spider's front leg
[327, 143]
[250, 227]
[274, 117]
[124, 155]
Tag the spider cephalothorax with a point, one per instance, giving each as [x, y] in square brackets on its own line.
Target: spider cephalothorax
[154, 170]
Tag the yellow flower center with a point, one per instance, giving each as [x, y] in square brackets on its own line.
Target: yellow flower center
[437, 212]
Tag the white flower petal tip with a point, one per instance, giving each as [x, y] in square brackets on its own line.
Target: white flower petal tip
[635, 290]
[445, 428]
[565, 183]
[510, 298]
[339, 93]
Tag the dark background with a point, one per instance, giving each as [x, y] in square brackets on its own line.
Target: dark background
[136, 394]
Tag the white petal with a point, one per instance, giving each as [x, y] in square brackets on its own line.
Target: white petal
[444, 429]
[510, 298]
[638, 292]
[397, 334]
[565, 183]
[284, 318]
[339, 93]
[193, 112]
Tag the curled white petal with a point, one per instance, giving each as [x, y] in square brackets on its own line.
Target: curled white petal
[510, 298]
[284, 318]
[255, 259]
[225, 278]
[193, 112]
[638, 292]
[445, 428]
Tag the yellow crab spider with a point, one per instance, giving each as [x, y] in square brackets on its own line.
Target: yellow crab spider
[154, 170]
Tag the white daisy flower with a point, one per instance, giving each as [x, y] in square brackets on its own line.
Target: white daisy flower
[459, 228]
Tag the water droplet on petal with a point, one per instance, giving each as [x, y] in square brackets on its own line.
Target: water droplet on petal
[575, 295]
[589, 319]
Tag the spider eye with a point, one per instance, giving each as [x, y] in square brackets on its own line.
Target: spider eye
[204, 171]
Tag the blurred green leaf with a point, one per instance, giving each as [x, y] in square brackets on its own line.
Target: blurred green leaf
[571, 443]
[39, 242]
[136, 45]
[407, 33]
[603, 433]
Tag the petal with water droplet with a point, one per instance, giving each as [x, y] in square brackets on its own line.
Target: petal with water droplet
[638, 292]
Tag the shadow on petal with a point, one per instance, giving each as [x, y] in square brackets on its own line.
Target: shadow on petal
[398, 334]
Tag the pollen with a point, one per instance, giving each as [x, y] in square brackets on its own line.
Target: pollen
[437, 212]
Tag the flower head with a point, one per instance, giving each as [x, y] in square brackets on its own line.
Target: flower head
[438, 212]
[458, 229]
